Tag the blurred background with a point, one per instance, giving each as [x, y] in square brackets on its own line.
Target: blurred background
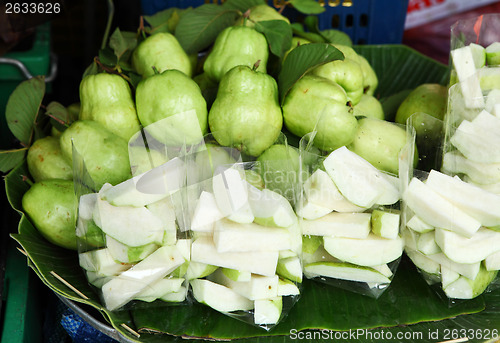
[62, 45]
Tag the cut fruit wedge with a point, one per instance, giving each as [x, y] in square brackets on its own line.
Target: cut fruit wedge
[132, 226]
[465, 66]
[270, 208]
[236, 275]
[125, 254]
[474, 201]
[464, 288]
[311, 211]
[352, 225]
[268, 311]
[290, 268]
[474, 143]
[206, 213]
[448, 276]
[219, 297]
[231, 195]
[478, 172]
[418, 225]
[101, 262]
[235, 237]
[123, 288]
[468, 270]
[423, 262]
[437, 211]
[320, 190]
[159, 288]
[385, 224]
[287, 287]
[258, 287]
[371, 251]
[346, 271]
[493, 54]
[359, 181]
[468, 250]
[258, 262]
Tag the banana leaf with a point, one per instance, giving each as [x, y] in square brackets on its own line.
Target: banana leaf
[408, 306]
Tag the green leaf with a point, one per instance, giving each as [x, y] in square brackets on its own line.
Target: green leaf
[198, 28]
[409, 300]
[122, 43]
[159, 20]
[242, 5]
[22, 108]
[301, 60]
[278, 34]
[337, 37]
[16, 185]
[107, 57]
[399, 67]
[307, 6]
[60, 114]
[298, 30]
[11, 158]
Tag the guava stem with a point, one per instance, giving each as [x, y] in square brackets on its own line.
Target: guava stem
[111, 12]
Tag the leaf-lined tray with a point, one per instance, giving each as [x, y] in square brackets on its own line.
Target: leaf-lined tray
[408, 306]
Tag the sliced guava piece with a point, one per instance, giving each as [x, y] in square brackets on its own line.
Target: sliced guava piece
[352, 225]
[219, 297]
[436, 211]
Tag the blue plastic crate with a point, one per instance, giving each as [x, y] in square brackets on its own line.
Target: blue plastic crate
[365, 21]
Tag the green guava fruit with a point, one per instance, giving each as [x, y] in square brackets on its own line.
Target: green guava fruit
[316, 103]
[174, 103]
[235, 46]
[162, 51]
[246, 113]
[45, 160]
[347, 73]
[107, 99]
[105, 154]
[51, 205]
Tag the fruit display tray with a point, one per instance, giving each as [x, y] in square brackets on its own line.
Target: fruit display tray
[409, 311]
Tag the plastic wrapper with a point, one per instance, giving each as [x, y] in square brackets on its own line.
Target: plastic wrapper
[451, 233]
[471, 145]
[350, 218]
[130, 239]
[246, 243]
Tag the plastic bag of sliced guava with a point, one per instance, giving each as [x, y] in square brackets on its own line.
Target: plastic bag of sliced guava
[471, 146]
[350, 217]
[246, 244]
[130, 241]
[446, 237]
[453, 214]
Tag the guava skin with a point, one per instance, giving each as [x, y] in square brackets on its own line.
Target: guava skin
[162, 51]
[51, 205]
[316, 103]
[262, 13]
[45, 160]
[370, 79]
[172, 92]
[429, 98]
[347, 73]
[380, 142]
[107, 99]
[105, 154]
[234, 46]
[246, 112]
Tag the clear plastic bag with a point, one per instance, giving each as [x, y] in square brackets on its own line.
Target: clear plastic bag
[246, 245]
[350, 218]
[445, 233]
[130, 241]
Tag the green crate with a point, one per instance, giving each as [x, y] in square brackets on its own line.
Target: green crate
[22, 313]
[37, 61]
